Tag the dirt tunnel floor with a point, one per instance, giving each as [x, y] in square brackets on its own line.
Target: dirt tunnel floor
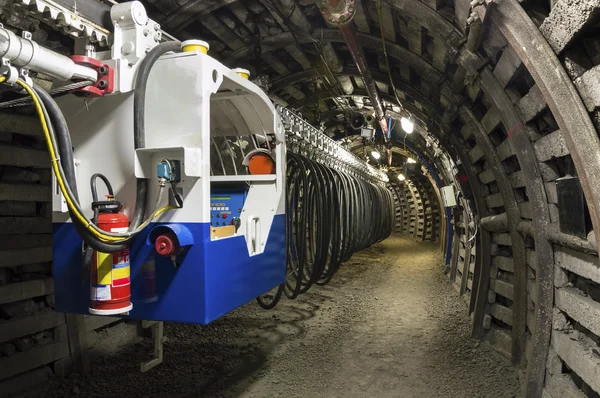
[388, 325]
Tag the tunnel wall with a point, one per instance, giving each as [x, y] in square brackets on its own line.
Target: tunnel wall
[418, 213]
[516, 139]
[37, 343]
[531, 302]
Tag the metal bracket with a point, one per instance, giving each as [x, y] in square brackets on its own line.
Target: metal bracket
[157, 333]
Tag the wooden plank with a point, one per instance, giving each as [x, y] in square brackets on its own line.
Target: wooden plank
[24, 290]
[566, 21]
[504, 263]
[501, 239]
[34, 358]
[491, 119]
[360, 18]
[562, 386]
[500, 340]
[505, 150]
[33, 324]
[222, 31]
[12, 208]
[439, 53]
[581, 308]
[517, 179]
[531, 321]
[525, 210]
[25, 241]
[550, 146]
[507, 65]
[494, 201]
[502, 288]
[502, 313]
[551, 192]
[486, 176]
[475, 154]
[531, 105]
[25, 225]
[415, 42]
[465, 272]
[20, 124]
[546, 394]
[576, 350]
[531, 258]
[388, 23]
[11, 155]
[78, 343]
[25, 192]
[582, 264]
[96, 322]
[532, 290]
[19, 385]
[13, 258]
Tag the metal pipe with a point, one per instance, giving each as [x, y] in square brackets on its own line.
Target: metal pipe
[28, 54]
[340, 13]
[358, 56]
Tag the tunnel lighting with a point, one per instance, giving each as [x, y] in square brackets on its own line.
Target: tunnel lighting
[401, 177]
[407, 125]
[375, 154]
[411, 160]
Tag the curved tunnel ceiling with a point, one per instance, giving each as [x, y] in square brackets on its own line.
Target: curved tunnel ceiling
[516, 116]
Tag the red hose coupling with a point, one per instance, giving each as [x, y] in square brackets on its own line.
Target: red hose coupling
[337, 12]
[106, 77]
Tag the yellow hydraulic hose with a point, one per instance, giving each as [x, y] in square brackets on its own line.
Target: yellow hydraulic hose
[99, 234]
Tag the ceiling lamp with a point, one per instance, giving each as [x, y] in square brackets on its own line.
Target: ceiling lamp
[407, 125]
[375, 154]
[401, 177]
[411, 160]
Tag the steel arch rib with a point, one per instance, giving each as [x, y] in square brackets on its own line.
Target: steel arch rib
[561, 95]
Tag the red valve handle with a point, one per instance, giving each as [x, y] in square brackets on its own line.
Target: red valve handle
[166, 245]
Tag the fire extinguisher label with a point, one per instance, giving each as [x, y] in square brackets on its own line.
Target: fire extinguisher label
[100, 293]
[105, 265]
[121, 269]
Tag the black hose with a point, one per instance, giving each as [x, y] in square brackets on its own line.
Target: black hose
[66, 152]
[139, 127]
[59, 129]
[330, 215]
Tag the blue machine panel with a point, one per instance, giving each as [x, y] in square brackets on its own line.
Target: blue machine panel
[226, 207]
[207, 280]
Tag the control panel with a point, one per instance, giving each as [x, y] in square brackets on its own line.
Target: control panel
[226, 208]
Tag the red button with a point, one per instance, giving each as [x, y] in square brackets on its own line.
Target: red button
[224, 215]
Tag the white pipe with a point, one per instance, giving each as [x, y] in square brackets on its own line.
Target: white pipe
[28, 54]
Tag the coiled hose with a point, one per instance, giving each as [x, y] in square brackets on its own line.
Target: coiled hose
[330, 216]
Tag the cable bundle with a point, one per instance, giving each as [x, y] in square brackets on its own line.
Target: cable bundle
[330, 216]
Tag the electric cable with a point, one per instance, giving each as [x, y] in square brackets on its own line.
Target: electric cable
[385, 54]
[330, 215]
[49, 115]
[91, 234]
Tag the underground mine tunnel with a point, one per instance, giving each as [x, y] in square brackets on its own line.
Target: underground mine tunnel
[316, 198]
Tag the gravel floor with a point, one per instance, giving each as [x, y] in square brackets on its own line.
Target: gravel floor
[388, 325]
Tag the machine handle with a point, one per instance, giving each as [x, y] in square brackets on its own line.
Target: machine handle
[254, 232]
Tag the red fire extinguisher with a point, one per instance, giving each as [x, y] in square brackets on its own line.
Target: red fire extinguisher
[110, 277]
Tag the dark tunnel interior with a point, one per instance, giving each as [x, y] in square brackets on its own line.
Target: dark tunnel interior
[472, 270]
